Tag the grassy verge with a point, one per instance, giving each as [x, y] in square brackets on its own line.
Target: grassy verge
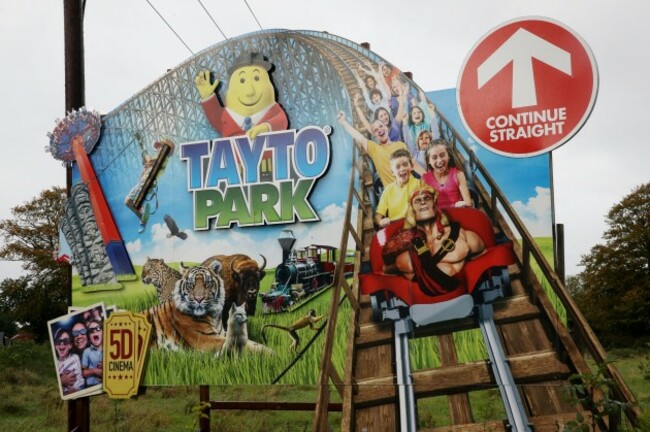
[29, 400]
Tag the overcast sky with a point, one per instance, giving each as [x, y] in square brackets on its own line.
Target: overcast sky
[128, 46]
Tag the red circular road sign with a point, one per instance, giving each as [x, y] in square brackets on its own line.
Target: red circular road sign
[527, 87]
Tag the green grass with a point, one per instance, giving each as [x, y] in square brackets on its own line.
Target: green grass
[29, 400]
[196, 368]
[29, 396]
[546, 246]
[132, 291]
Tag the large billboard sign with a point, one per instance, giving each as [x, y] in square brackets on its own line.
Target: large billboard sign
[226, 182]
[527, 87]
[213, 203]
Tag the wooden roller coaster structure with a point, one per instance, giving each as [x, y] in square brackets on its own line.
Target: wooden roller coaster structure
[542, 351]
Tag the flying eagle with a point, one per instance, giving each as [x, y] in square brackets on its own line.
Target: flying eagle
[173, 228]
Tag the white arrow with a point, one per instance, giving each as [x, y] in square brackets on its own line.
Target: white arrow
[520, 50]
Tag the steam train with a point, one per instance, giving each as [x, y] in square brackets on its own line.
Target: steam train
[303, 273]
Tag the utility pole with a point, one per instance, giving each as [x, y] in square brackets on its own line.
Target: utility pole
[75, 88]
[75, 85]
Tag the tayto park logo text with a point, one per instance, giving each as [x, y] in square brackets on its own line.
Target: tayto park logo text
[527, 87]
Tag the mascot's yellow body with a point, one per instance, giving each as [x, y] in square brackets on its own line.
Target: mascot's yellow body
[250, 106]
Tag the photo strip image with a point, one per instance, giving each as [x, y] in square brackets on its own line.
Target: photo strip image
[77, 349]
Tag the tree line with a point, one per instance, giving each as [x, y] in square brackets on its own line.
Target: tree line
[613, 290]
[31, 236]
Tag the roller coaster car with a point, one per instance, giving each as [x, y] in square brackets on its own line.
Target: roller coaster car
[483, 278]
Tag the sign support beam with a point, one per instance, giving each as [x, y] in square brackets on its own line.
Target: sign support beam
[75, 87]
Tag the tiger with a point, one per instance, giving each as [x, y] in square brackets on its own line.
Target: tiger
[160, 275]
[192, 318]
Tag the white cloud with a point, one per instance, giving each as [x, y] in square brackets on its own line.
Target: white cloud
[536, 212]
[134, 247]
[332, 212]
[327, 232]
[199, 246]
[158, 232]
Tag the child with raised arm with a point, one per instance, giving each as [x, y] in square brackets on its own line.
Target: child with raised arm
[422, 144]
[420, 117]
[379, 151]
[374, 94]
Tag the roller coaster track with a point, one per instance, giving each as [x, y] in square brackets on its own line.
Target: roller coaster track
[541, 349]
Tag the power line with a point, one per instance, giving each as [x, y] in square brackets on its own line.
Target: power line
[170, 27]
[215, 23]
[253, 13]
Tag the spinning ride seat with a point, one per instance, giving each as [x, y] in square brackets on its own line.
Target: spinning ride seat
[424, 306]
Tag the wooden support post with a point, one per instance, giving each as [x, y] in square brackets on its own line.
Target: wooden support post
[326, 367]
[78, 409]
[79, 415]
[204, 411]
[493, 208]
[354, 303]
[525, 263]
[75, 83]
[336, 379]
[559, 252]
[362, 203]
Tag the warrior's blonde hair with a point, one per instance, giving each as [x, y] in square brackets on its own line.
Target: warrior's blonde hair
[441, 219]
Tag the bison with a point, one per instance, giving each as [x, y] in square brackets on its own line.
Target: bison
[241, 277]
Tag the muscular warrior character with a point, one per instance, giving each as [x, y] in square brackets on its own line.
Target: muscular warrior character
[308, 320]
[431, 249]
[250, 106]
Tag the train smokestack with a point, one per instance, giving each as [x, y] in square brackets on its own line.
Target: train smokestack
[286, 241]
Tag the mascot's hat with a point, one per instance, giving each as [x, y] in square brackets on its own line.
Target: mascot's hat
[250, 59]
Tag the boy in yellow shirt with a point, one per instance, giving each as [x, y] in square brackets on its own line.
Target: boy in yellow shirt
[394, 201]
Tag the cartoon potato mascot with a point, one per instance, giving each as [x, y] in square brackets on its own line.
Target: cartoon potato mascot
[250, 108]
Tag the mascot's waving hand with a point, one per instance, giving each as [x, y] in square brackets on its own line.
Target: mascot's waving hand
[250, 108]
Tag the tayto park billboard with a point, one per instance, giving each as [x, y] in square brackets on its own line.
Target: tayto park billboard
[214, 201]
